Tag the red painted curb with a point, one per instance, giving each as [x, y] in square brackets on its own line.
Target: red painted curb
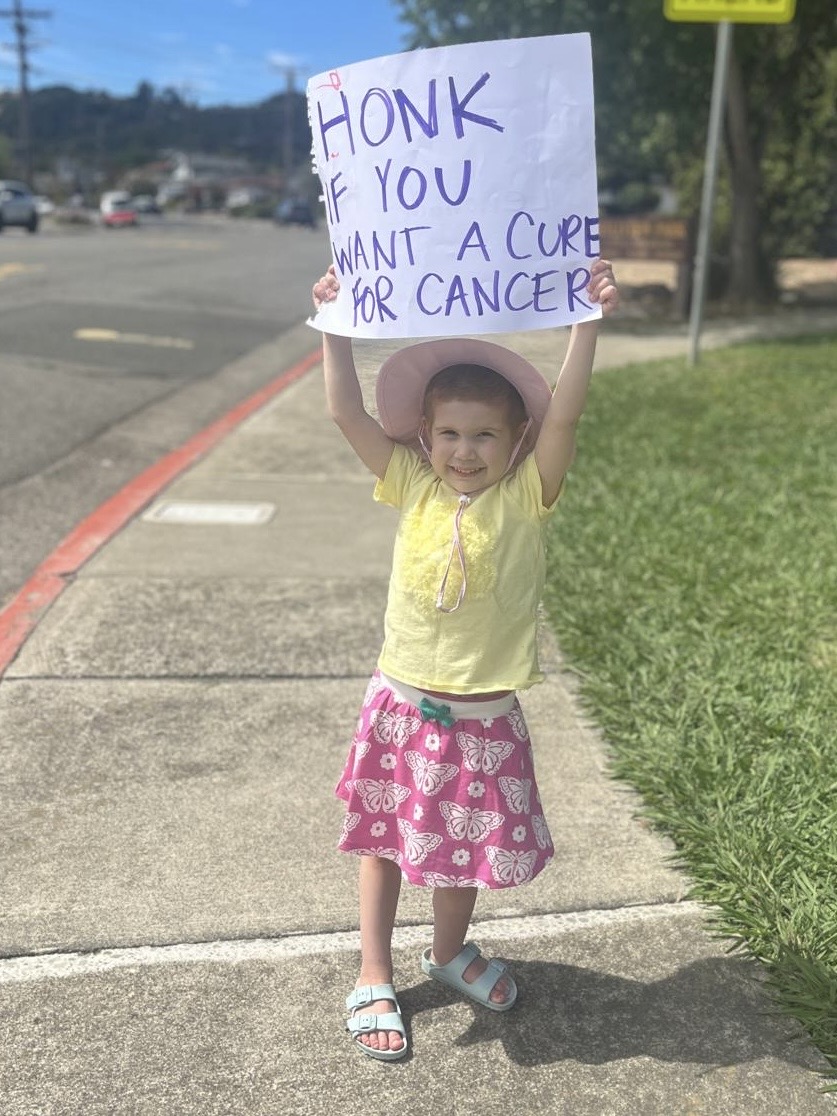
[19, 618]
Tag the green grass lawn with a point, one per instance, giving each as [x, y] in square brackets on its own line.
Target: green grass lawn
[693, 587]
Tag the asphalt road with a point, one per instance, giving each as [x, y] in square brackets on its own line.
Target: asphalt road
[96, 326]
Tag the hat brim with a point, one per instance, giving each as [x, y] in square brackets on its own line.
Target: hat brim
[404, 376]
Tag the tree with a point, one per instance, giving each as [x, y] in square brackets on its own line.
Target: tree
[653, 82]
[94, 128]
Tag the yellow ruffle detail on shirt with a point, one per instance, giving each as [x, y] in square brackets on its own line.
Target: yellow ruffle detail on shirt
[426, 541]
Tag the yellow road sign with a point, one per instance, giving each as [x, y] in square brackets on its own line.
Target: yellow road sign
[734, 11]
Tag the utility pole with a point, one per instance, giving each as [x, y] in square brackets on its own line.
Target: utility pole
[20, 17]
[288, 130]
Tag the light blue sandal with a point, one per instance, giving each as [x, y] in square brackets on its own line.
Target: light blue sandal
[479, 989]
[367, 1022]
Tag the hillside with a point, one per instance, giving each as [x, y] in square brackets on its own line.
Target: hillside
[110, 134]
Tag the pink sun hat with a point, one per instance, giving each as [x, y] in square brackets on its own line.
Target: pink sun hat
[404, 376]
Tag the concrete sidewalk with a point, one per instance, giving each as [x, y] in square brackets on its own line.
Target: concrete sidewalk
[178, 932]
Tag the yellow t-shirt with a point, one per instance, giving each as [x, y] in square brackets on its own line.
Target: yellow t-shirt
[489, 642]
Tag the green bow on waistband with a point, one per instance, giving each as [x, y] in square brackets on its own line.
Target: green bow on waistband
[441, 713]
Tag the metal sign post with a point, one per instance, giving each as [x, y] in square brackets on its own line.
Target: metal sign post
[723, 42]
[724, 13]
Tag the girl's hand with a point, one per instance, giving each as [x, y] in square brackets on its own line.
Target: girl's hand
[602, 286]
[326, 288]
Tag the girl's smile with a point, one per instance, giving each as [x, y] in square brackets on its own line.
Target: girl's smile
[470, 443]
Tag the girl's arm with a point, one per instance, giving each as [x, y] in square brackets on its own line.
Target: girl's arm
[555, 447]
[343, 394]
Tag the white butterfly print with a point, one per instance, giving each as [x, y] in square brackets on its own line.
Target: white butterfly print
[439, 879]
[375, 686]
[511, 867]
[428, 775]
[393, 728]
[384, 854]
[469, 822]
[380, 794]
[479, 754]
[517, 793]
[541, 831]
[361, 749]
[349, 823]
[518, 723]
[417, 845]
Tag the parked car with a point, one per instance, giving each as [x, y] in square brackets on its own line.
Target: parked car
[295, 211]
[17, 205]
[146, 203]
[116, 209]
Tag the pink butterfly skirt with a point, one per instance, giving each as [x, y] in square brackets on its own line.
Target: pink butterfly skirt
[453, 805]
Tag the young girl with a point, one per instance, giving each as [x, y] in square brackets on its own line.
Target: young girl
[439, 784]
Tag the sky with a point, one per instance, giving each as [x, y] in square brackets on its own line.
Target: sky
[212, 51]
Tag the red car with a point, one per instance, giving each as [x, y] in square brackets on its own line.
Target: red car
[116, 209]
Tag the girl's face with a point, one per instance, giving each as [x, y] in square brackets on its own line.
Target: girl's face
[470, 443]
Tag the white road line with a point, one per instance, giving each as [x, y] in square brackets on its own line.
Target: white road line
[188, 245]
[15, 970]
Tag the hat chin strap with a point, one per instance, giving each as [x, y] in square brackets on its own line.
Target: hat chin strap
[422, 430]
[457, 551]
[519, 443]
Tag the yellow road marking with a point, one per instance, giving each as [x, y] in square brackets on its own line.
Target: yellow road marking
[9, 269]
[133, 338]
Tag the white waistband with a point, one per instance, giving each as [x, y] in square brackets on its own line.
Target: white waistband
[460, 710]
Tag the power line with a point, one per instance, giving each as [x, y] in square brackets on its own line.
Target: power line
[20, 17]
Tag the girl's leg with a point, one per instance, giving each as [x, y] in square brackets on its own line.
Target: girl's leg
[380, 885]
[452, 910]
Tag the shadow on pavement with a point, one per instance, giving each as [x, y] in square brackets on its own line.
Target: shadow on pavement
[571, 1013]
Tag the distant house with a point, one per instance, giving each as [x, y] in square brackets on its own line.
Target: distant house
[243, 196]
[215, 181]
[199, 181]
[192, 169]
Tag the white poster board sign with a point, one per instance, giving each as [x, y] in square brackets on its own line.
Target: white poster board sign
[460, 188]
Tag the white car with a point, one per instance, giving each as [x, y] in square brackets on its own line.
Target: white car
[17, 205]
